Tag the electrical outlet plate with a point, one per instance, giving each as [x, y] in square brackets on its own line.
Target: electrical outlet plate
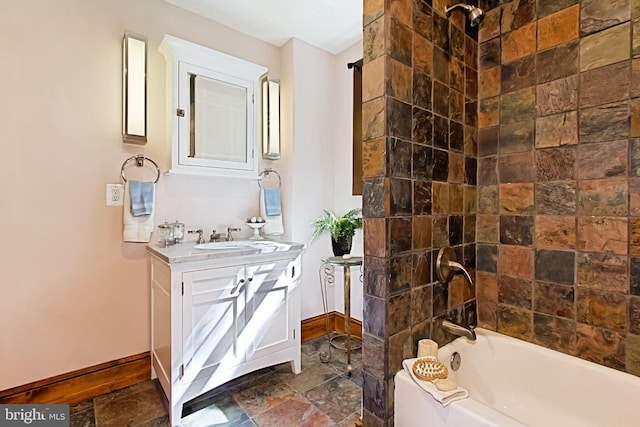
[115, 194]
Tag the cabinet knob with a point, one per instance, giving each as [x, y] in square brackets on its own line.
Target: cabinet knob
[250, 279]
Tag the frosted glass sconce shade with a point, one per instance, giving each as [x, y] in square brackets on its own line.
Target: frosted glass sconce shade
[134, 89]
[270, 118]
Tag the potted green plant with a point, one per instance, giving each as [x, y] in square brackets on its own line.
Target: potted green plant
[341, 228]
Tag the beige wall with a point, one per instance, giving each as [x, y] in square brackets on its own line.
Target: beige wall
[74, 295]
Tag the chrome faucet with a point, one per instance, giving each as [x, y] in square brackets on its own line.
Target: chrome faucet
[200, 238]
[459, 330]
[229, 230]
[217, 237]
[447, 265]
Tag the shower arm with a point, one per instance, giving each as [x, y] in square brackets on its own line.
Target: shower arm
[466, 7]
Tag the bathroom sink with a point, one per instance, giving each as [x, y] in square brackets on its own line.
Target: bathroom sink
[235, 244]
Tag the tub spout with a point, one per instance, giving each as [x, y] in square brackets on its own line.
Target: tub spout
[459, 330]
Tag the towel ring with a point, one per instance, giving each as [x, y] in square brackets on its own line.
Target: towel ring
[266, 173]
[139, 163]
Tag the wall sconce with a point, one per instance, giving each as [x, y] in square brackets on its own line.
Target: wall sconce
[134, 89]
[270, 118]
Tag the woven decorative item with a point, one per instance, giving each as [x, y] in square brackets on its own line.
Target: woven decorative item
[429, 369]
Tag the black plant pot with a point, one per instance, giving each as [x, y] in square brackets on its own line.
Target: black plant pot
[341, 245]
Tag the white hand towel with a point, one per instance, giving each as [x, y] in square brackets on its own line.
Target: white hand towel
[444, 397]
[136, 229]
[273, 224]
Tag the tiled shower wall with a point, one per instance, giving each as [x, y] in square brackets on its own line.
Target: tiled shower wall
[420, 130]
[558, 225]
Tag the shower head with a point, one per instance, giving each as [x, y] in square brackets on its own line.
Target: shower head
[475, 14]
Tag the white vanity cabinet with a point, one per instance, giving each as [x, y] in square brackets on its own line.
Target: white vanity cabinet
[216, 319]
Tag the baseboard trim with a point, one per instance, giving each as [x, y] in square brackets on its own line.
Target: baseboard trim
[318, 326]
[76, 386]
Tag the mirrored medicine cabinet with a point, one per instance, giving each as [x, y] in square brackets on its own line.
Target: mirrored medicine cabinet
[214, 108]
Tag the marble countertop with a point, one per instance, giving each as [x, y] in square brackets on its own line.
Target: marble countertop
[186, 251]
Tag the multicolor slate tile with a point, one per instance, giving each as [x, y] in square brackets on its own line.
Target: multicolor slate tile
[488, 140]
[516, 199]
[487, 229]
[557, 130]
[422, 198]
[601, 309]
[556, 164]
[515, 322]
[556, 198]
[422, 54]
[547, 7]
[422, 132]
[609, 122]
[555, 231]
[490, 27]
[555, 266]
[634, 197]
[605, 85]
[422, 89]
[400, 199]
[375, 236]
[517, 13]
[422, 229]
[517, 261]
[399, 84]
[632, 354]
[456, 105]
[605, 47]
[489, 112]
[515, 291]
[399, 158]
[604, 197]
[634, 315]
[557, 96]
[608, 272]
[373, 158]
[516, 137]
[517, 106]
[603, 160]
[516, 230]
[558, 62]
[603, 234]
[601, 346]
[634, 236]
[517, 167]
[555, 333]
[519, 43]
[558, 28]
[490, 54]
[596, 15]
[554, 299]
[373, 40]
[489, 82]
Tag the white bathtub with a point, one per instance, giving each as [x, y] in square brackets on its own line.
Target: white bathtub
[514, 383]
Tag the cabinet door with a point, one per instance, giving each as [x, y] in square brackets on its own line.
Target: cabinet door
[269, 326]
[216, 130]
[212, 320]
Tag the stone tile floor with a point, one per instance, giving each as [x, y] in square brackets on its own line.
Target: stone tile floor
[321, 396]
